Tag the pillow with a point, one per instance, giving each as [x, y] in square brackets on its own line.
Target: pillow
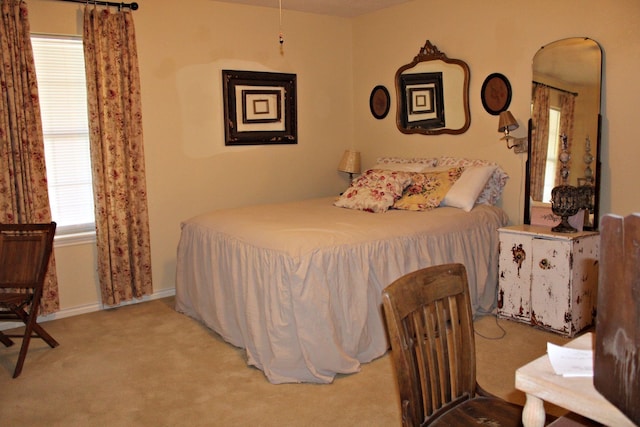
[388, 161]
[492, 190]
[403, 167]
[465, 191]
[374, 191]
[427, 190]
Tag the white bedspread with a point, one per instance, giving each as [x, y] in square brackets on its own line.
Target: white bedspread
[298, 285]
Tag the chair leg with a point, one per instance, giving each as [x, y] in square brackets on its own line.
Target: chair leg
[45, 336]
[23, 349]
[5, 340]
[30, 327]
[37, 328]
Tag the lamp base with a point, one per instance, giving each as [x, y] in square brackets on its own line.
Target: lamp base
[564, 226]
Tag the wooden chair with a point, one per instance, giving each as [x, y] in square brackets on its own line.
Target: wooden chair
[25, 250]
[617, 350]
[430, 325]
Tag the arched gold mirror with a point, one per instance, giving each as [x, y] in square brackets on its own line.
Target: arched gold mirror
[433, 94]
[565, 100]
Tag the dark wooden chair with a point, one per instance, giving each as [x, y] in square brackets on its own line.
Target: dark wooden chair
[430, 325]
[25, 250]
[617, 355]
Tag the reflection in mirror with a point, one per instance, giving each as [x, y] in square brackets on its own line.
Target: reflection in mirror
[565, 101]
[433, 94]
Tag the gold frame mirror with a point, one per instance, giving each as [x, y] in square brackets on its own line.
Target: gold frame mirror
[565, 100]
[433, 94]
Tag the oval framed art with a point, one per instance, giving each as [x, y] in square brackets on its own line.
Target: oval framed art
[496, 94]
[379, 102]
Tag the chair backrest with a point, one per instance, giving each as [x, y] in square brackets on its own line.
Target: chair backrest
[617, 350]
[25, 250]
[430, 325]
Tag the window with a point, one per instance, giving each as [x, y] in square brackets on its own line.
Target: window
[59, 63]
[553, 150]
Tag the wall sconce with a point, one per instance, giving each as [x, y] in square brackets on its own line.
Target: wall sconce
[350, 163]
[507, 124]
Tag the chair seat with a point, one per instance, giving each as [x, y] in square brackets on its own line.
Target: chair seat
[11, 298]
[482, 411]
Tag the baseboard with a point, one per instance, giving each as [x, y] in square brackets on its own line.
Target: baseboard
[90, 308]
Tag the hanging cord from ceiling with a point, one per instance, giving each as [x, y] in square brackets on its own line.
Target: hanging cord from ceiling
[131, 6]
[281, 35]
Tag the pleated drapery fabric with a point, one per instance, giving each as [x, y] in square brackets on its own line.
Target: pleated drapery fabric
[117, 155]
[24, 196]
[539, 139]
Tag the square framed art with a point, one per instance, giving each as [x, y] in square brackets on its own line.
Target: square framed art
[259, 107]
[424, 100]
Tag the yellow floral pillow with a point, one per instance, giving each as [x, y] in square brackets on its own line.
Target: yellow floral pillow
[427, 189]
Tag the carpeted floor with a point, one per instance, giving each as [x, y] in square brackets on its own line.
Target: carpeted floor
[147, 365]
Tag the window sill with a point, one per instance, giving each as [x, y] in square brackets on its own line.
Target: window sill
[75, 239]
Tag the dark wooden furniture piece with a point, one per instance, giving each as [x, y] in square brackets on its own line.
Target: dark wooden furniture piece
[428, 316]
[617, 349]
[25, 250]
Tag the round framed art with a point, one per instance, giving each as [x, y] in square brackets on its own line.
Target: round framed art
[379, 102]
[496, 94]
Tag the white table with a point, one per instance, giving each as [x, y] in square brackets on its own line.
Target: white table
[576, 394]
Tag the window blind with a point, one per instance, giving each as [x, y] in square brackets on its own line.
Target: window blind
[60, 71]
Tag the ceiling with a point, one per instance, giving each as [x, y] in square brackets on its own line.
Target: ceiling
[344, 8]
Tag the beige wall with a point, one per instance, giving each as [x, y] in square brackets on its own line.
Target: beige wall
[503, 36]
[338, 61]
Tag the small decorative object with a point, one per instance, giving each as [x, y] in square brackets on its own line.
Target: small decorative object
[496, 94]
[588, 158]
[379, 102]
[585, 185]
[350, 163]
[566, 200]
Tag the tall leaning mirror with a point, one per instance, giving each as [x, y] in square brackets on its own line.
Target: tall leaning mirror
[565, 106]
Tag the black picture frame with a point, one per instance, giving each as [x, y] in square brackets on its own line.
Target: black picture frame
[496, 94]
[259, 108]
[424, 101]
[379, 102]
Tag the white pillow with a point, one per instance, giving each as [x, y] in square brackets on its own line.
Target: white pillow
[467, 188]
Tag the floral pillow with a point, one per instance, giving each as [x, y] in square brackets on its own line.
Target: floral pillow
[427, 190]
[374, 191]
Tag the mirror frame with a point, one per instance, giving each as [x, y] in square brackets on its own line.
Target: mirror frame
[437, 124]
[596, 153]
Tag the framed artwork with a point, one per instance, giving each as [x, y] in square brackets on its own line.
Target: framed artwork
[379, 102]
[259, 108]
[496, 94]
[424, 100]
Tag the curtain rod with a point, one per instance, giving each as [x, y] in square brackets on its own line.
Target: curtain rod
[556, 88]
[132, 6]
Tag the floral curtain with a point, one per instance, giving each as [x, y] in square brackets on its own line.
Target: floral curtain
[117, 155]
[24, 196]
[539, 139]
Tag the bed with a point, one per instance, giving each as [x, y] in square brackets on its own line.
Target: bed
[298, 284]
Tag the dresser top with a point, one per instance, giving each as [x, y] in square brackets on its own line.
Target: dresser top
[539, 230]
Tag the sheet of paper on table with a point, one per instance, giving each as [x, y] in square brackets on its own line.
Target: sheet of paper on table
[570, 362]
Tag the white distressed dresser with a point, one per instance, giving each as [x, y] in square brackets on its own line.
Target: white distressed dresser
[548, 279]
